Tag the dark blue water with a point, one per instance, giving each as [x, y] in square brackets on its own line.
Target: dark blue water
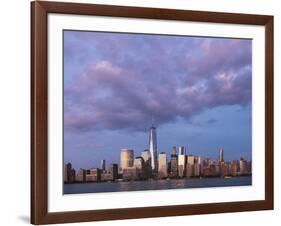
[156, 185]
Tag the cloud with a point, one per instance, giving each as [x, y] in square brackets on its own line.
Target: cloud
[129, 78]
[212, 121]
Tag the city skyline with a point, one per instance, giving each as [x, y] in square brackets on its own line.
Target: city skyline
[179, 151]
[152, 165]
[198, 89]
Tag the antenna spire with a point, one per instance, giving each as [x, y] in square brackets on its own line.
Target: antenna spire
[152, 120]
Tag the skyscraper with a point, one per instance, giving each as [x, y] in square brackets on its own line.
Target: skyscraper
[113, 170]
[162, 165]
[153, 147]
[196, 169]
[190, 166]
[242, 166]
[201, 164]
[181, 161]
[102, 164]
[126, 158]
[221, 157]
[174, 163]
[181, 150]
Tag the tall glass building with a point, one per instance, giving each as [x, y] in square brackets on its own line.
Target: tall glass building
[153, 147]
[221, 156]
[126, 158]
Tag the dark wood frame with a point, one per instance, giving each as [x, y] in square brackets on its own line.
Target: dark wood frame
[39, 107]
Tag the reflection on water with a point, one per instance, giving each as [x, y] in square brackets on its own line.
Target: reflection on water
[181, 183]
[156, 185]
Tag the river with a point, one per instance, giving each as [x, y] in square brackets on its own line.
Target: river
[156, 184]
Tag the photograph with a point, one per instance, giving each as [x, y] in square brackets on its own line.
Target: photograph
[169, 109]
[155, 111]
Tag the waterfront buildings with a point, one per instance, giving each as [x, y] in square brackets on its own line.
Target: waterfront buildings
[150, 166]
[179, 166]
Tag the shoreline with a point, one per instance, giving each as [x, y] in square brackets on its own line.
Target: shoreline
[151, 179]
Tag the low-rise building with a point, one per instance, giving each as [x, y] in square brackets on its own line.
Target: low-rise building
[81, 175]
[130, 173]
[93, 175]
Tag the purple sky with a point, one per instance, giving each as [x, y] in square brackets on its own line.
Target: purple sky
[197, 89]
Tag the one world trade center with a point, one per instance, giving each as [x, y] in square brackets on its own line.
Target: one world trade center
[153, 147]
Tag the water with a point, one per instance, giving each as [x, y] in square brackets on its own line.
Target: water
[156, 185]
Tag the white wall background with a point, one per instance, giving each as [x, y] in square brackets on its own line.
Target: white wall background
[15, 114]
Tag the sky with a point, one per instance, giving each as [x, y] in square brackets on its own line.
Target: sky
[197, 89]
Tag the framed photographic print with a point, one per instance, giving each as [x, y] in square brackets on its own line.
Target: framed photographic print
[148, 112]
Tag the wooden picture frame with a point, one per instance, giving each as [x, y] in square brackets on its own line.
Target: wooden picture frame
[39, 112]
